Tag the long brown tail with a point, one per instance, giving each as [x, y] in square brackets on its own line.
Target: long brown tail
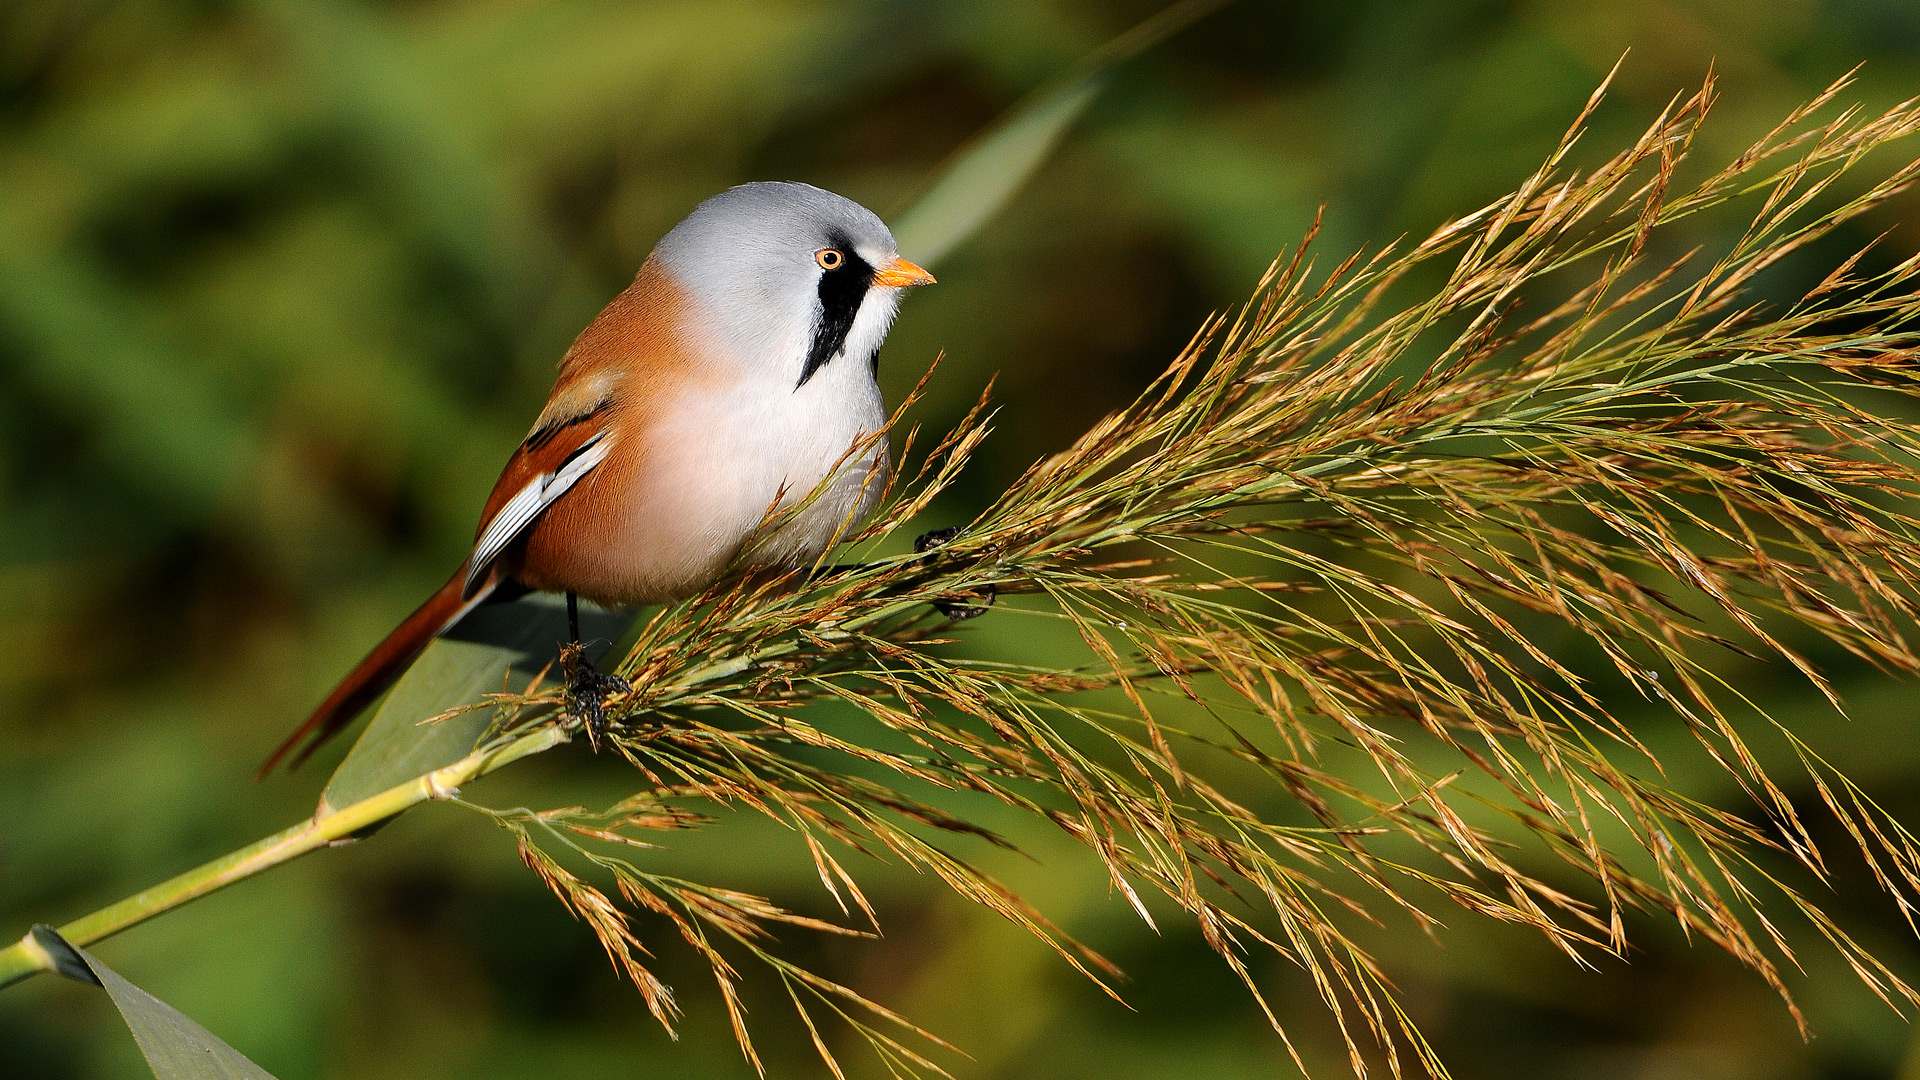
[380, 670]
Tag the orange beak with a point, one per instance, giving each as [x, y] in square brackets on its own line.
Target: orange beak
[900, 273]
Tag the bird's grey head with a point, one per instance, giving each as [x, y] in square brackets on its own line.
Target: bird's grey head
[789, 275]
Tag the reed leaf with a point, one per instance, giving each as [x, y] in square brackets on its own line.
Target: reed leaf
[436, 713]
[977, 182]
[175, 1047]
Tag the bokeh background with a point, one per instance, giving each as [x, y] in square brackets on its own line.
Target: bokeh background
[283, 281]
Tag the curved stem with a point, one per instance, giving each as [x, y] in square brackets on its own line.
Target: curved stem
[24, 958]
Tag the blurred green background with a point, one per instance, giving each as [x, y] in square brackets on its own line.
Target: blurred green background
[282, 282]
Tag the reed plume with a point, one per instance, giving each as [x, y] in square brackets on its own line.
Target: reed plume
[1378, 587]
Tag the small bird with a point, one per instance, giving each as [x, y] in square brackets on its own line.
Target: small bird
[731, 377]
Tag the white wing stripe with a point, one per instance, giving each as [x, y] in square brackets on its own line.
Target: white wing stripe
[527, 504]
[591, 453]
[514, 516]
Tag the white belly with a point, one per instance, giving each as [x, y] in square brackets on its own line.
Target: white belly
[726, 452]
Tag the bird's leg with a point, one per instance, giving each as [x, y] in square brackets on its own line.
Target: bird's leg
[958, 612]
[587, 687]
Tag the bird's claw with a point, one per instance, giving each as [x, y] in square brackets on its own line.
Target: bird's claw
[961, 611]
[957, 610]
[930, 540]
[587, 692]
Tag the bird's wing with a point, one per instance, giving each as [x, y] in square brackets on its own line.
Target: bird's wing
[559, 452]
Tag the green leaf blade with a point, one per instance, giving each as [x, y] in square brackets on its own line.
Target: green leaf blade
[986, 173]
[495, 647]
[175, 1047]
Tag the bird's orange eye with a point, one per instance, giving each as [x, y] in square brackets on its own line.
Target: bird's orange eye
[829, 258]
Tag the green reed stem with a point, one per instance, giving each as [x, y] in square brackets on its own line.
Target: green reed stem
[25, 958]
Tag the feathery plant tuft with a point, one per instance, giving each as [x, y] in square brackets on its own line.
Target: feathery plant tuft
[1313, 571]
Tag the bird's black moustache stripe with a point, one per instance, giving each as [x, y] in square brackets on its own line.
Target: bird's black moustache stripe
[841, 290]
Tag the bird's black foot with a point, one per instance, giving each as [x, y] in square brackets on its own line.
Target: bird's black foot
[975, 605]
[976, 601]
[930, 540]
[926, 542]
[587, 692]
